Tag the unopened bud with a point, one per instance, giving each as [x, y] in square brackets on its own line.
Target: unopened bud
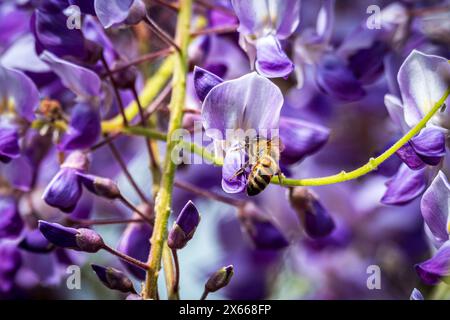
[219, 279]
[114, 279]
[316, 219]
[100, 186]
[184, 227]
[78, 239]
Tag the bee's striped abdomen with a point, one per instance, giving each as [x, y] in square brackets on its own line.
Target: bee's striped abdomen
[260, 175]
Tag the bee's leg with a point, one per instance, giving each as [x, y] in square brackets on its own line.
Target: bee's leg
[280, 174]
[240, 171]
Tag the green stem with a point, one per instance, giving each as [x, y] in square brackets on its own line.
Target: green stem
[373, 162]
[371, 165]
[164, 199]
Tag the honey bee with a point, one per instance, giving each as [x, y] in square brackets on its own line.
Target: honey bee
[264, 156]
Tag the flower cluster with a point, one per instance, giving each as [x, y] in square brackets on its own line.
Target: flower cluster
[94, 94]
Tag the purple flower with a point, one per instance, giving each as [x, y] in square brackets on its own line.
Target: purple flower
[35, 242]
[251, 102]
[313, 43]
[64, 190]
[433, 270]
[317, 221]
[115, 12]
[9, 144]
[84, 128]
[405, 186]
[84, 82]
[16, 88]
[300, 139]
[334, 78]
[423, 79]
[113, 279]
[135, 243]
[427, 148]
[435, 212]
[435, 209]
[78, 239]
[261, 230]
[184, 227]
[49, 27]
[11, 262]
[99, 186]
[365, 48]
[416, 295]
[11, 223]
[262, 26]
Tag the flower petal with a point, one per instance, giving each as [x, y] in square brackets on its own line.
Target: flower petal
[433, 270]
[9, 144]
[423, 79]
[416, 295]
[405, 186]
[300, 139]
[429, 143]
[204, 81]
[16, 86]
[64, 190]
[113, 12]
[286, 16]
[410, 157]
[11, 223]
[271, 60]
[84, 128]
[335, 79]
[249, 102]
[253, 16]
[233, 162]
[435, 207]
[80, 80]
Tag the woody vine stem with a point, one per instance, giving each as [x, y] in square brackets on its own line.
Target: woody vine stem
[164, 198]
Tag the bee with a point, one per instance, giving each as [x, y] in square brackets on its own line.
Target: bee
[264, 156]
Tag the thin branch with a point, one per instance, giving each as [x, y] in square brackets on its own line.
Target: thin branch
[160, 33]
[125, 257]
[135, 209]
[144, 58]
[125, 170]
[208, 194]
[116, 91]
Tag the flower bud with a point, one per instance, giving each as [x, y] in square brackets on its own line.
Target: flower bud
[184, 227]
[35, 242]
[263, 233]
[64, 190]
[125, 78]
[219, 279]
[316, 219]
[78, 239]
[114, 279]
[100, 186]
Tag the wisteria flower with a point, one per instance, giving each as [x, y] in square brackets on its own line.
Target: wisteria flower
[262, 26]
[113, 13]
[435, 212]
[251, 102]
[429, 146]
